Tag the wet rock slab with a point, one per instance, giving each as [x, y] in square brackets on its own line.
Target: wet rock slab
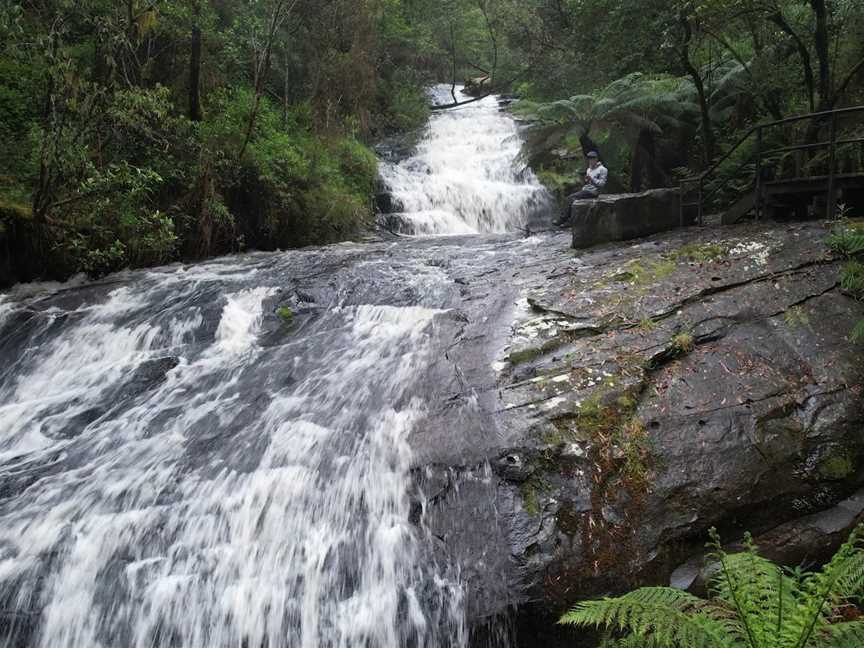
[621, 217]
[650, 391]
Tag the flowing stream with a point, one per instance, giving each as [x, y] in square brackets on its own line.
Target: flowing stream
[220, 454]
[465, 176]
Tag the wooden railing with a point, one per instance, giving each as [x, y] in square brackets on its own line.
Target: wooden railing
[762, 132]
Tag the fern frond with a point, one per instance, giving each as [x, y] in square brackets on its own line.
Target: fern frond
[850, 582]
[821, 592]
[630, 641]
[667, 617]
[842, 635]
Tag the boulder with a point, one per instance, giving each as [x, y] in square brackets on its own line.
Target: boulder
[476, 86]
[620, 217]
[645, 393]
[808, 541]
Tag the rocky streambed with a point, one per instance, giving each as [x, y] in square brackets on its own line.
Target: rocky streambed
[645, 393]
[442, 440]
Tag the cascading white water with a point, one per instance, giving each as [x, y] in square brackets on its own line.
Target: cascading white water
[181, 468]
[464, 176]
[256, 497]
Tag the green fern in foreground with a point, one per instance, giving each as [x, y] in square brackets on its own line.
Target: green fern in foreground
[754, 604]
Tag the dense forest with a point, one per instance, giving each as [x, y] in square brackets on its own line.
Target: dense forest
[139, 132]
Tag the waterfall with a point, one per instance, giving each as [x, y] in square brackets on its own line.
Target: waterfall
[221, 455]
[170, 480]
[465, 176]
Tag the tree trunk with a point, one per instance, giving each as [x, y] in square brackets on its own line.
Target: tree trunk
[588, 144]
[821, 40]
[195, 68]
[262, 66]
[803, 52]
[643, 167]
[708, 143]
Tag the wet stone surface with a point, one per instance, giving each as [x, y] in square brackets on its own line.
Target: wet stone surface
[546, 425]
[647, 392]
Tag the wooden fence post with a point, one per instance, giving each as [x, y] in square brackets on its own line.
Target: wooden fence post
[832, 163]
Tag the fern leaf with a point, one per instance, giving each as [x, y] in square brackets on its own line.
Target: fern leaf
[821, 592]
[630, 641]
[842, 635]
[758, 589]
[851, 581]
[664, 616]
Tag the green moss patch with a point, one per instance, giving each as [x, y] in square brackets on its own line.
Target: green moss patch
[836, 467]
[700, 252]
[796, 317]
[286, 314]
[644, 272]
[682, 344]
[531, 490]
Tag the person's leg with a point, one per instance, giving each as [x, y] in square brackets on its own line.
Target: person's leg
[565, 212]
[568, 204]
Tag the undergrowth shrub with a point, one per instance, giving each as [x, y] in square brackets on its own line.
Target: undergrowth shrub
[753, 604]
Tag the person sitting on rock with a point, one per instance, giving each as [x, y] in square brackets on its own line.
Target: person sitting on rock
[595, 179]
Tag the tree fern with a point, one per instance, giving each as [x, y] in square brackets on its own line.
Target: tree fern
[623, 108]
[757, 589]
[663, 616]
[754, 604]
[843, 635]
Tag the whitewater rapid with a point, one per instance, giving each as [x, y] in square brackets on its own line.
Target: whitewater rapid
[465, 176]
[220, 455]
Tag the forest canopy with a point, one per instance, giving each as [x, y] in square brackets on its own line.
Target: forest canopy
[140, 131]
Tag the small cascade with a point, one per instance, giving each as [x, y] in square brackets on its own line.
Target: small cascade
[180, 467]
[464, 177]
[224, 455]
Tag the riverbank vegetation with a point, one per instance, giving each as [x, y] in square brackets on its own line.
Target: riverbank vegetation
[665, 88]
[144, 132]
[140, 132]
[754, 604]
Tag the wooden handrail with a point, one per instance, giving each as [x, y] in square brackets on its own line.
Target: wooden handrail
[759, 130]
[766, 125]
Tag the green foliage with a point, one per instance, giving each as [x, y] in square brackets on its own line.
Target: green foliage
[645, 272]
[847, 240]
[852, 279]
[682, 343]
[286, 314]
[407, 105]
[647, 325]
[700, 252]
[114, 162]
[615, 115]
[754, 604]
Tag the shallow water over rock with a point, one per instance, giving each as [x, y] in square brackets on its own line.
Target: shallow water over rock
[465, 175]
[228, 453]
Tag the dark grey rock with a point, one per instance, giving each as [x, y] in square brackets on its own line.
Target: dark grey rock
[513, 467]
[620, 217]
[726, 351]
